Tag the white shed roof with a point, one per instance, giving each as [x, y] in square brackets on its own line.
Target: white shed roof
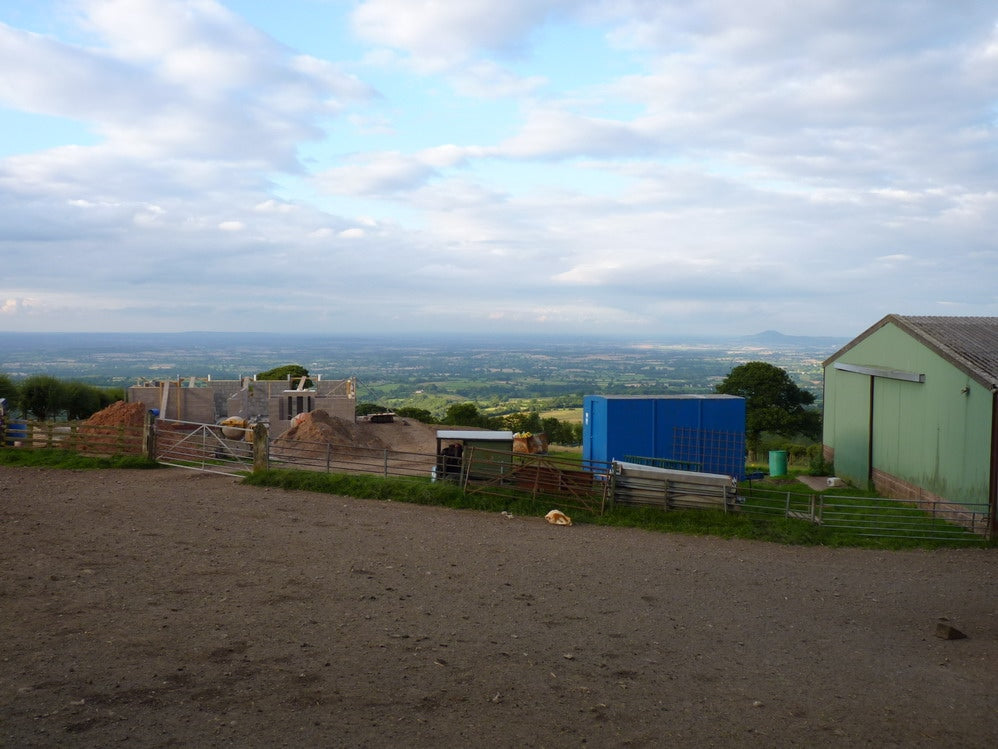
[472, 434]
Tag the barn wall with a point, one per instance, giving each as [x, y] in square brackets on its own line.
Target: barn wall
[935, 434]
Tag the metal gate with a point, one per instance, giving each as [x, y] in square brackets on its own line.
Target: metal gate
[537, 476]
[226, 450]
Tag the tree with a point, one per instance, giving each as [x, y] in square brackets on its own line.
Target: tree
[295, 371]
[111, 395]
[558, 432]
[41, 396]
[8, 390]
[773, 402]
[417, 414]
[523, 421]
[466, 415]
[81, 401]
[366, 409]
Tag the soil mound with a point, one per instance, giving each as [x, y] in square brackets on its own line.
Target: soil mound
[119, 414]
[401, 435]
[318, 427]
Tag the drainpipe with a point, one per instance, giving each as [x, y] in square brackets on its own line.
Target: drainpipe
[869, 436]
[993, 482]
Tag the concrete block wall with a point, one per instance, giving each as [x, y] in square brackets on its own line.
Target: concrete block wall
[182, 403]
[210, 400]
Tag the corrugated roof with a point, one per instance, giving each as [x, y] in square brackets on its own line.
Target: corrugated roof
[969, 343]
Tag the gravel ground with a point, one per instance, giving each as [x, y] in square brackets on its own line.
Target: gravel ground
[174, 608]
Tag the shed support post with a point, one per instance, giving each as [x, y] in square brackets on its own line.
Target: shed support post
[149, 436]
[261, 451]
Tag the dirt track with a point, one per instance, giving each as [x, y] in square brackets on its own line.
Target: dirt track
[170, 608]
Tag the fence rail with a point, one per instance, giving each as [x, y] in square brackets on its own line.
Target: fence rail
[592, 487]
[875, 517]
[481, 471]
[78, 437]
[332, 458]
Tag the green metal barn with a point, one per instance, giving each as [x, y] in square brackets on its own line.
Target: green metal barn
[911, 408]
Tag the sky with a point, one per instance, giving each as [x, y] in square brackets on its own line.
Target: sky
[632, 168]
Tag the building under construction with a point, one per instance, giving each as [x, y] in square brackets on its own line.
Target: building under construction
[276, 402]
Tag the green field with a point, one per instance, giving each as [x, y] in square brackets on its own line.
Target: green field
[571, 415]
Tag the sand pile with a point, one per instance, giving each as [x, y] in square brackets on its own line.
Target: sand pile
[319, 426]
[119, 414]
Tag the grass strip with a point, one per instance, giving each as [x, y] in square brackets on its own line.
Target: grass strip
[741, 525]
[49, 458]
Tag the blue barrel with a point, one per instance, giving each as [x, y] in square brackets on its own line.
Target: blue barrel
[777, 462]
[17, 431]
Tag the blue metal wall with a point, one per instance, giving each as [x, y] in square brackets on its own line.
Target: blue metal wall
[708, 430]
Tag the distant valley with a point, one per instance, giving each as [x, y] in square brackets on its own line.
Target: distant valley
[428, 372]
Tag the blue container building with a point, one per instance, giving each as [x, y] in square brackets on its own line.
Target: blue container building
[703, 433]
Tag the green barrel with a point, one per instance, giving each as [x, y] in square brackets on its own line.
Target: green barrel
[777, 462]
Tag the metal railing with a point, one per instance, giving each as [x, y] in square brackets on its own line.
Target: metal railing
[875, 517]
[480, 471]
[227, 450]
[333, 458]
[571, 485]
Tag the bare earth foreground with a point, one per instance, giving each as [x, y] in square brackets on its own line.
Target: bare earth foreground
[172, 608]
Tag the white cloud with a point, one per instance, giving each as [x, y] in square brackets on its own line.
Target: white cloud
[274, 206]
[174, 79]
[440, 34]
[487, 79]
[554, 133]
[375, 174]
[706, 164]
[16, 306]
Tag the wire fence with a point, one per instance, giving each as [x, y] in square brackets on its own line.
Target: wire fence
[498, 473]
[333, 458]
[591, 486]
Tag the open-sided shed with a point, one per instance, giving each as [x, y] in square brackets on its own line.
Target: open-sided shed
[475, 453]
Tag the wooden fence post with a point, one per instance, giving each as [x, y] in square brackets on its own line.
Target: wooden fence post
[149, 436]
[261, 448]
